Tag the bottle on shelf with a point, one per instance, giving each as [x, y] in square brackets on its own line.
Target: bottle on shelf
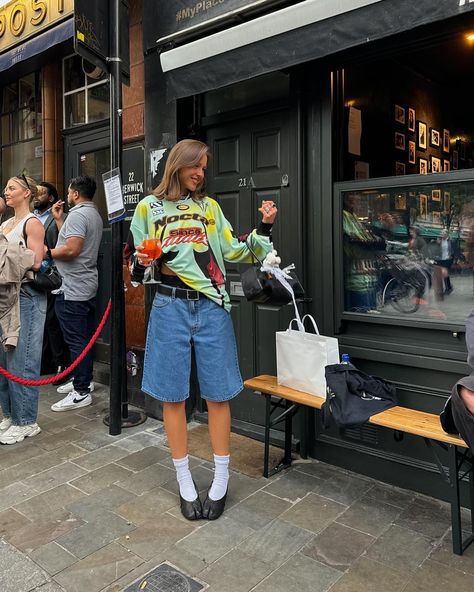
[345, 359]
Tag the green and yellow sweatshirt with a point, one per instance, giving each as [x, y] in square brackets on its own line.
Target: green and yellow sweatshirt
[196, 240]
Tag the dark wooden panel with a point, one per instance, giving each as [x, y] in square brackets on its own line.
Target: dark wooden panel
[226, 154]
[267, 150]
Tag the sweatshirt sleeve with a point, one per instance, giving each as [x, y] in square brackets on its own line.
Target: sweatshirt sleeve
[470, 339]
[235, 249]
[139, 223]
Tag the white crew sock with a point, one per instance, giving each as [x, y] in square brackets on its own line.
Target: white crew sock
[185, 480]
[221, 477]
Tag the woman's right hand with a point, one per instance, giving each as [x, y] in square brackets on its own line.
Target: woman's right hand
[143, 258]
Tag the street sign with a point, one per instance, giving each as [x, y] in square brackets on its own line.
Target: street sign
[133, 177]
[92, 34]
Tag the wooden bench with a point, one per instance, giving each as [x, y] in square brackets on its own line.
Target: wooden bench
[400, 419]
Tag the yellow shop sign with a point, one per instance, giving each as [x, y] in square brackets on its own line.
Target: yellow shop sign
[21, 19]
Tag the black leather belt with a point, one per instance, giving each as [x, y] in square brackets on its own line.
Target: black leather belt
[178, 292]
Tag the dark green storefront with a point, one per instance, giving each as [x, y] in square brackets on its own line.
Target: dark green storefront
[340, 114]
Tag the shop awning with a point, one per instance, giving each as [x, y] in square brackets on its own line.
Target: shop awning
[293, 35]
[37, 45]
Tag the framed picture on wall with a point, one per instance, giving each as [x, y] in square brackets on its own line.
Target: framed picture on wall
[436, 194]
[446, 166]
[446, 140]
[411, 152]
[447, 201]
[401, 201]
[399, 141]
[411, 119]
[422, 166]
[400, 168]
[436, 217]
[435, 164]
[400, 114]
[423, 205]
[422, 135]
[435, 139]
[455, 160]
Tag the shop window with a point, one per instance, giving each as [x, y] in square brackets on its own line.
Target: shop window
[20, 124]
[408, 251]
[86, 96]
[410, 113]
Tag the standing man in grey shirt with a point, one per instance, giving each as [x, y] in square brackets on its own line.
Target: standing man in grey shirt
[75, 256]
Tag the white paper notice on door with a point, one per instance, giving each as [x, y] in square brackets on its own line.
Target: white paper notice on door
[354, 131]
[114, 195]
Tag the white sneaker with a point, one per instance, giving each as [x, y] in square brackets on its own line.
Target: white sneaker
[5, 424]
[16, 433]
[64, 389]
[72, 400]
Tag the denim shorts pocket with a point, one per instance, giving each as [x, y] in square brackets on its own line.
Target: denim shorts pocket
[161, 300]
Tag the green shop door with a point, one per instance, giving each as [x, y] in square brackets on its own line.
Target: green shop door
[252, 161]
[88, 153]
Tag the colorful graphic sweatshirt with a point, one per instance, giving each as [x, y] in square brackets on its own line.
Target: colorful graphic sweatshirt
[196, 240]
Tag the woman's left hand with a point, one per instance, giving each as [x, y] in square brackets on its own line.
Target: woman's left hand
[269, 211]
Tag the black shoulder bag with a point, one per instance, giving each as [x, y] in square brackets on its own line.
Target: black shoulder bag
[49, 279]
[263, 287]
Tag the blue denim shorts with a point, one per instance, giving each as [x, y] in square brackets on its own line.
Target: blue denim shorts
[175, 325]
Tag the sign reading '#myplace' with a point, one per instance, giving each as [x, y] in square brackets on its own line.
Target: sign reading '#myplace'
[178, 15]
[22, 19]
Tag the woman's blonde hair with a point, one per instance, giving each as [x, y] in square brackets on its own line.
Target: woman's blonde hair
[183, 154]
[28, 183]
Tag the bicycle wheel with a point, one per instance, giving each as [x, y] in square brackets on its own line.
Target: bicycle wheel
[402, 295]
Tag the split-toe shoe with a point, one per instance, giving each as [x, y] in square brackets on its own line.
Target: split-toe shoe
[191, 510]
[212, 509]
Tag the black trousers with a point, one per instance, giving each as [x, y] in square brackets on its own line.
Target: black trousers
[55, 350]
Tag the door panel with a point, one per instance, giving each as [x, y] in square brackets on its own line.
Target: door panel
[88, 153]
[250, 161]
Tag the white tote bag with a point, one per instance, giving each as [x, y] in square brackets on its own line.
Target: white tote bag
[302, 358]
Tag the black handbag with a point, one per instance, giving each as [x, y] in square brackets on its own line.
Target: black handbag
[48, 280]
[264, 287]
[352, 396]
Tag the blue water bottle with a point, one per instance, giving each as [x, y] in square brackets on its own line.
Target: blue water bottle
[44, 265]
[345, 359]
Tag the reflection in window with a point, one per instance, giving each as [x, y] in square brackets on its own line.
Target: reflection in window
[74, 109]
[410, 251]
[98, 102]
[86, 98]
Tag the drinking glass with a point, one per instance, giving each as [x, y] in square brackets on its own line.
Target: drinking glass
[151, 246]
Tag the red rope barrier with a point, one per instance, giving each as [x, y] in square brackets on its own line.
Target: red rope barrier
[68, 370]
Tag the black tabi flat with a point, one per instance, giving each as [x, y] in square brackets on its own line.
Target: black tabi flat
[212, 509]
[191, 510]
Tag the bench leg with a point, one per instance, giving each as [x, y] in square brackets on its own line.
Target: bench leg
[266, 455]
[455, 502]
[288, 433]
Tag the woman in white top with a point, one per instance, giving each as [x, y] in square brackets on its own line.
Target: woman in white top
[19, 403]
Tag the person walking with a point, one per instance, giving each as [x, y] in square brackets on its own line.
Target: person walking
[192, 309]
[55, 353]
[445, 259]
[75, 256]
[20, 352]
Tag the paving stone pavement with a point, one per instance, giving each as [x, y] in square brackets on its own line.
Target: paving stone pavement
[82, 511]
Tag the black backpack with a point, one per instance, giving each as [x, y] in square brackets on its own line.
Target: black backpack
[352, 396]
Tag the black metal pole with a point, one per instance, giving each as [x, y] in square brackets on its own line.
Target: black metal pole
[117, 342]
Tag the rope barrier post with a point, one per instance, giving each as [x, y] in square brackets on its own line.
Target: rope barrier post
[119, 414]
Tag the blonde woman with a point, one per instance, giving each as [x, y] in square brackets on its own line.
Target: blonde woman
[191, 308]
[19, 403]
